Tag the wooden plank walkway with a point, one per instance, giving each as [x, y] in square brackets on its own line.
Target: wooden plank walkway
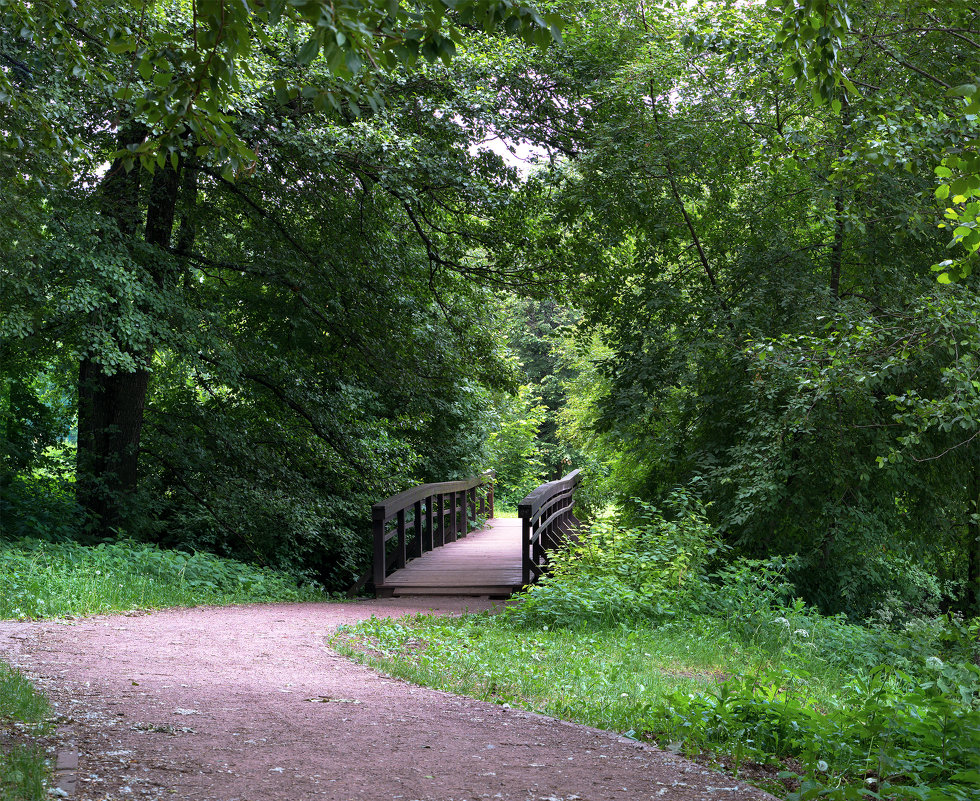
[484, 562]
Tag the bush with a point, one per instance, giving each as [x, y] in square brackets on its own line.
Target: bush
[651, 568]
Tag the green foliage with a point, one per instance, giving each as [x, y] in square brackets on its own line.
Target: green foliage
[306, 353]
[40, 579]
[815, 34]
[651, 567]
[809, 219]
[756, 600]
[514, 448]
[888, 735]
[185, 71]
[536, 330]
[23, 713]
[19, 700]
[23, 773]
[41, 505]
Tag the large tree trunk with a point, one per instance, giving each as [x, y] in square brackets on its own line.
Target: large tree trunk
[110, 407]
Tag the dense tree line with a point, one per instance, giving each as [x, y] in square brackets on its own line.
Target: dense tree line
[274, 283]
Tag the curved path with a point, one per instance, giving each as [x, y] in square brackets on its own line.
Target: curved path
[249, 704]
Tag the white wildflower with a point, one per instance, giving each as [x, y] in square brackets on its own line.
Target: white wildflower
[822, 766]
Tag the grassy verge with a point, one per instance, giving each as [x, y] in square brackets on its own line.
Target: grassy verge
[39, 580]
[23, 712]
[601, 676]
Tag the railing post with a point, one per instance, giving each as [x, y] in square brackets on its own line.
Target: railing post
[525, 514]
[490, 495]
[380, 559]
[400, 553]
[441, 519]
[429, 543]
[417, 548]
[453, 508]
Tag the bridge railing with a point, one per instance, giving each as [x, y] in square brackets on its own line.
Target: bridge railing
[546, 523]
[426, 517]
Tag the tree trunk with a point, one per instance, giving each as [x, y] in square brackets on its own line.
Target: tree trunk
[110, 407]
[110, 421]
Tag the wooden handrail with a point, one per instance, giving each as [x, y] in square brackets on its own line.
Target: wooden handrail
[436, 514]
[546, 523]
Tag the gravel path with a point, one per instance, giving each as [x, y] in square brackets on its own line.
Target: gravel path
[249, 704]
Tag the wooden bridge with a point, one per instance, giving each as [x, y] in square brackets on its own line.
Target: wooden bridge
[443, 539]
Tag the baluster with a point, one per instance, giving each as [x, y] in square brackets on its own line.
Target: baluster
[453, 509]
[400, 551]
[428, 545]
[441, 520]
[525, 515]
[416, 549]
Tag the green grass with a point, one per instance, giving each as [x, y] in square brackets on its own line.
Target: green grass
[23, 713]
[503, 513]
[605, 677]
[43, 580]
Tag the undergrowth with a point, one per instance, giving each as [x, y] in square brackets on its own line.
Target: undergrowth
[41, 579]
[23, 713]
[637, 631]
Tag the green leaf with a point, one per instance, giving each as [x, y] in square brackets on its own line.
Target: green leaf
[963, 90]
[309, 50]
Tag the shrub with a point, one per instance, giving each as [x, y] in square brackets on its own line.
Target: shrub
[651, 568]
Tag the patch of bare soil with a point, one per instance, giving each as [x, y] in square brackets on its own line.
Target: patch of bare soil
[249, 704]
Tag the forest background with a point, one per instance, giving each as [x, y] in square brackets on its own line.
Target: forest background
[262, 268]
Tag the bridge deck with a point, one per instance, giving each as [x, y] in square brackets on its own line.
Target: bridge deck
[484, 562]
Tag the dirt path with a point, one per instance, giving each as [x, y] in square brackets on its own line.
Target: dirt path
[214, 704]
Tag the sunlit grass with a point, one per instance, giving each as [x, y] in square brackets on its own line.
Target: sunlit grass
[39, 580]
